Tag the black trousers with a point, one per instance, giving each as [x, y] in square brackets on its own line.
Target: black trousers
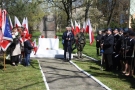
[15, 59]
[69, 50]
[108, 61]
[116, 61]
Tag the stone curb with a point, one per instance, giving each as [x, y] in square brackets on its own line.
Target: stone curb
[86, 56]
[44, 78]
[89, 75]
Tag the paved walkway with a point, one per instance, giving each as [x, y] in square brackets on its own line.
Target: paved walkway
[62, 75]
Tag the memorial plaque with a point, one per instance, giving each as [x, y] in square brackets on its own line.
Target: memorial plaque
[50, 26]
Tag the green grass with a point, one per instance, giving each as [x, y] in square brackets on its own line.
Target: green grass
[21, 78]
[114, 80]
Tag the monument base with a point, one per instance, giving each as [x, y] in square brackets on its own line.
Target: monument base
[49, 54]
[48, 48]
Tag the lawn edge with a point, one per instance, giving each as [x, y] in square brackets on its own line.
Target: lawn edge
[89, 75]
[43, 75]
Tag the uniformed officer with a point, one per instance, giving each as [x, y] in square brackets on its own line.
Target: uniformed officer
[116, 49]
[121, 43]
[98, 42]
[108, 49]
[80, 43]
[67, 38]
[129, 53]
[123, 50]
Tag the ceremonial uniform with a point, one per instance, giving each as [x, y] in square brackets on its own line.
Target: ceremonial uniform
[116, 50]
[81, 41]
[129, 53]
[108, 49]
[98, 43]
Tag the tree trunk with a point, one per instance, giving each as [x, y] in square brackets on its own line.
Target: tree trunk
[111, 14]
[87, 10]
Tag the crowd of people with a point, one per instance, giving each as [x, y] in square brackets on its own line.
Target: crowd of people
[21, 47]
[117, 47]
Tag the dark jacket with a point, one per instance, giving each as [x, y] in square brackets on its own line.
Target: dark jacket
[98, 37]
[67, 42]
[108, 44]
[117, 43]
[27, 47]
[130, 46]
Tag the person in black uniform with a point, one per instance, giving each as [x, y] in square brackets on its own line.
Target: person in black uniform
[125, 40]
[129, 53]
[121, 43]
[116, 48]
[67, 38]
[108, 49]
[98, 42]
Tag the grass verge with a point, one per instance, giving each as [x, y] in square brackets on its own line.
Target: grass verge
[21, 78]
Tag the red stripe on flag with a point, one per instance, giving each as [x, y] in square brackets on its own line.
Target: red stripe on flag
[5, 44]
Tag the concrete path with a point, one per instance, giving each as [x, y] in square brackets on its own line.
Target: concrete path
[62, 75]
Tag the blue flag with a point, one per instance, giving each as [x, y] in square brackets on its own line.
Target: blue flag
[7, 32]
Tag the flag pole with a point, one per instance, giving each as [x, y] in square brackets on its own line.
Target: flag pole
[4, 55]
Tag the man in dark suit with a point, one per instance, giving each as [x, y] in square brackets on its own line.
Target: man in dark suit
[67, 38]
[27, 50]
[108, 49]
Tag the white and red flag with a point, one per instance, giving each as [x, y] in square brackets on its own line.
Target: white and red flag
[24, 22]
[72, 27]
[25, 25]
[6, 32]
[77, 30]
[79, 25]
[17, 22]
[34, 46]
[84, 26]
[89, 30]
[0, 18]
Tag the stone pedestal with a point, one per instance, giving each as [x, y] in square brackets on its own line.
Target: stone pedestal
[50, 26]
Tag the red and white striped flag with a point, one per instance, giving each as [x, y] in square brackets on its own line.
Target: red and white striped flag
[77, 30]
[84, 26]
[35, 46]
[89, 30]
[0, 18]
[24, 22]
[72, 27]
[25, 25]
[17, 22]
[79, 25]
